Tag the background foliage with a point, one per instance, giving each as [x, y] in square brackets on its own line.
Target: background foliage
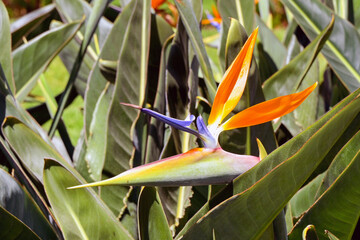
[67, 66]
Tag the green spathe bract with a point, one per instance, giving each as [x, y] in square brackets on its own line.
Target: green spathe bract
[199, 166]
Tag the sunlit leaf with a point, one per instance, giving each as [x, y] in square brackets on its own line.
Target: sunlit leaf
[5, 46]
[81, 214]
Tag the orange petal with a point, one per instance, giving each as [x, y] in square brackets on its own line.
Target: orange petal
[215, 12]
[268, 110]
[205, 21]
[156, 3]
[232, 86]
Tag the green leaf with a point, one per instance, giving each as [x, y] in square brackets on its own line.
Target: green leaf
[23, 141]
[96, 145]
[191, 25]
[129, 87]
[19, 203]
[271, 44]
[151, 216]
[110, 52]
[81, 214]
[13, 228]
[27, 182]
[338, 208]
[73, 10]
[91, 25]
[27, 23]
[5, 46]
[305, 197]
[155, 141]
[304, 115]
[243, 11]
[288, 79]
[341, 161]
[263, 201]
[342, 49]
[41, 50]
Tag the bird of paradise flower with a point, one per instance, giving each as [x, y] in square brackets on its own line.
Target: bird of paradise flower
[211, 164]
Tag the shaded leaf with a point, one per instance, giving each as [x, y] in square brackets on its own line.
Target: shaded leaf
[13, 228]
[288, 79]
[272, 46]
[18, 202]
[24, 25]
[73, 10]
[91, 24]
[192, 28]
[337, 210]
[151, 216]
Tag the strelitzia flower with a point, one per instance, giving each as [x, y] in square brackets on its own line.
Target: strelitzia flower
[170, 7]
[211, 164]
[214, 20]
[227, 96]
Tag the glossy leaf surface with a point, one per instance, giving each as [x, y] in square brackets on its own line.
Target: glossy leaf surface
[19, 203]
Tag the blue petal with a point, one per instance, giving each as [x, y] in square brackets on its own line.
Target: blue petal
[205, 135]
[213, 22]
[176, 123]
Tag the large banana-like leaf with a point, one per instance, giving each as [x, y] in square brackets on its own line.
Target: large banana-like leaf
[192, 28]
[342, 49]
[129, 87]
[18, 202]
[305, 115]
[56, 191]
[151, 216]
[338, 208]
[265, 199]
[27, 182]
[5, 46]
[288, 78]
[110, 52]
[24, 25]
[156, 138]
[81, 214]
[271, 45]
[30, 59]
